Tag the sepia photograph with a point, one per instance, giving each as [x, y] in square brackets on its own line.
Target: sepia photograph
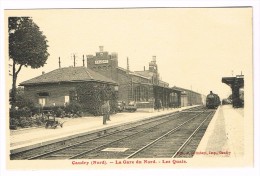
[97, 88]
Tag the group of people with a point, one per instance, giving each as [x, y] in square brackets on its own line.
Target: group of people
[105, 109]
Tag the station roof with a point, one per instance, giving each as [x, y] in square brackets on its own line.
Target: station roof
[183, 89]
[145, 73]
[69, 74]
[133, 73]
[168, 88]
[177, 89]
[230, 80]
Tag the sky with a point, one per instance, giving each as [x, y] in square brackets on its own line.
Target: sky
[194, 47]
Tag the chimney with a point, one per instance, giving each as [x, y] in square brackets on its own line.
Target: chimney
[154, 58]
[83, 61]
[101, 48]
[127, 63]
[59, 62]
[43, 72]
[74, 60]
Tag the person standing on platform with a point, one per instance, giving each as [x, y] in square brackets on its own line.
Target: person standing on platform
[104, 111]
[159, 105]
[108, 111]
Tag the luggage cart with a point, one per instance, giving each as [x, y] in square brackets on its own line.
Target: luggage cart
[51, 120]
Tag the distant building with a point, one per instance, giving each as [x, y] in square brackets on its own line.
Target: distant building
[189, 97]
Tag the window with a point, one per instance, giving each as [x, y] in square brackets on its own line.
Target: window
[141, 94]
[73, 97]
[66, 99]
[42, 101]
[43, 97]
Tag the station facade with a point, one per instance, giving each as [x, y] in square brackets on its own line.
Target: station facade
[144, 87]
[61, 86]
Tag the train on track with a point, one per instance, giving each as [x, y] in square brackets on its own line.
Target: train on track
[212, 101]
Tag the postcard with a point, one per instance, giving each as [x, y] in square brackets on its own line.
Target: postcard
[129, 88]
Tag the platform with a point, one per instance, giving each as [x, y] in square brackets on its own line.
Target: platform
[75, 126]
[224, 136]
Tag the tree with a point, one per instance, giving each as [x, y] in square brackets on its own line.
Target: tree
[91, 96]
[27, 47]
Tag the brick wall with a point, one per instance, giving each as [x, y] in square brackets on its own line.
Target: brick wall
[104, 64]
[124, 87]
[57, 92]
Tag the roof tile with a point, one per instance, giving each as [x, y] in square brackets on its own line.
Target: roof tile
[69, 74]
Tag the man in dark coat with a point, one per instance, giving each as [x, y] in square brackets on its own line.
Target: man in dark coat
[104, 110]
[108, 113]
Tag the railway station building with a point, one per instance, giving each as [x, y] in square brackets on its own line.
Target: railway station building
[144, 87]
[69, 84]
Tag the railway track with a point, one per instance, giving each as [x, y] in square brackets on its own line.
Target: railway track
[173, 143]
[124, 142]
[160, 142]
[63, 144]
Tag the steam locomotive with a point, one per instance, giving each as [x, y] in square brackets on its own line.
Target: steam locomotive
[212, 101]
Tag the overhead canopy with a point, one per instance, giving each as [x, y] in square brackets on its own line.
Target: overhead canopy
[232, 80]
[182, 90]
[170, 90]
[228, 80]
[176, 90]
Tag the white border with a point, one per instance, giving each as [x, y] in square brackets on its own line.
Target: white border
[30, 4]
[41, 4]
